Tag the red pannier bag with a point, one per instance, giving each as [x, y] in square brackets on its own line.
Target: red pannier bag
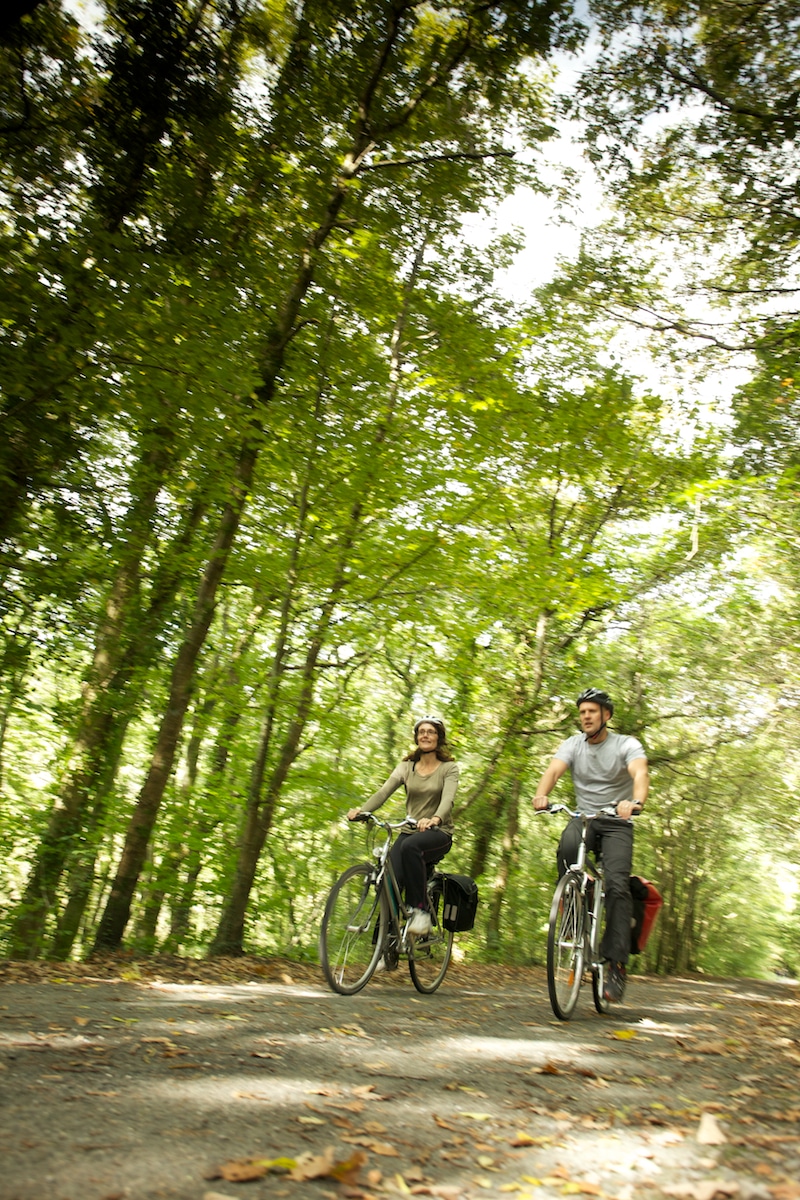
[647, 901]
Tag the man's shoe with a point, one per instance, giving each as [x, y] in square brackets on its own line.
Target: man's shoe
[420, 923]
[615, 980]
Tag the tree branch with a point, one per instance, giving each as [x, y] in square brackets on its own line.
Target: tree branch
[424, 159]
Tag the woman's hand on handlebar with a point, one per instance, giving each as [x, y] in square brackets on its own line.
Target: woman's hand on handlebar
[356, 814]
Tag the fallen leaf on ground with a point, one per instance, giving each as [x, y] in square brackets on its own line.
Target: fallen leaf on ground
[705, 1189]
[243, 1170]
[327, 1166]
[710, 1133]
[440, 1121]
[525, 1139]
[383, 1148]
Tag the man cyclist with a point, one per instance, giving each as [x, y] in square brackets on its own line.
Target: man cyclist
[608, 770]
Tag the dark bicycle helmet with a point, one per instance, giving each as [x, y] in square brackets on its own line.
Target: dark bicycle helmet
[438, 725]
[596, 696]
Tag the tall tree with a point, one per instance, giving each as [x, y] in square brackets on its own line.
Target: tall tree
[406, 89]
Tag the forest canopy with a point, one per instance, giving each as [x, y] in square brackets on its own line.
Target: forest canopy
[283, 467]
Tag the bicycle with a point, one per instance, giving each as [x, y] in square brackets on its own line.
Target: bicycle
[575, 927]
[366, 920]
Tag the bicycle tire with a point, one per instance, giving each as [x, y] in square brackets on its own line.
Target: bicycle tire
[429, 957]
[353, 930]
[565, 946]
[599, 971]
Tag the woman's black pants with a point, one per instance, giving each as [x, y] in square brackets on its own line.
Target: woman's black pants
[411, 855]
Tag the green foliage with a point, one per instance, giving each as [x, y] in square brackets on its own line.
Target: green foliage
[238, 305]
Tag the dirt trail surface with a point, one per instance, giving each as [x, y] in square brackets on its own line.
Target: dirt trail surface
[194, 1081]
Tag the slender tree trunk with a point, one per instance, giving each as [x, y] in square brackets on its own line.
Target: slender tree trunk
[165, 874]
[229, 937]
[206, 822]
[100, 712]
[117, 911]
[13, 691]
[508, 852]
[82, 872]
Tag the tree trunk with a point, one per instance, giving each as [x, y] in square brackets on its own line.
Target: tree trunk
[229, 937]
[105, 702]
[508, 852]
[117, 911]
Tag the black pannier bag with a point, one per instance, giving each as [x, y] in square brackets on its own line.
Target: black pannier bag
[459, 901]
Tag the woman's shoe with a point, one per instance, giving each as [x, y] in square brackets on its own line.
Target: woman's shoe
[420, 923]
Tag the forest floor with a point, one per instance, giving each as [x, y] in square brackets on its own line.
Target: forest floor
[143, 1079]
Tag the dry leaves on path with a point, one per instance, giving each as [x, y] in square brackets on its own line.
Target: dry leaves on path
[300, 1169]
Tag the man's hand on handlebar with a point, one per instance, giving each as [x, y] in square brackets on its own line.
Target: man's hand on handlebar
[627, 809]
[540, 803]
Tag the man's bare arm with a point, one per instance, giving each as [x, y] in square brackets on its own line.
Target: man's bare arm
[548, 782]
[638, 771]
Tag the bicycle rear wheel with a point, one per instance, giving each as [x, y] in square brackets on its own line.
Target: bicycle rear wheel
[598, 966]
[429, 957]
[353, 930]
[565, 946]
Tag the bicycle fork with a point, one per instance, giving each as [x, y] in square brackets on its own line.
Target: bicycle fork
[594, 914]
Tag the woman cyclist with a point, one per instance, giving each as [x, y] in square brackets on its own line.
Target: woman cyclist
[430, 778]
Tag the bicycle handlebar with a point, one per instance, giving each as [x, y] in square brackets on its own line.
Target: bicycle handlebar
[366, 817]
[555, 808]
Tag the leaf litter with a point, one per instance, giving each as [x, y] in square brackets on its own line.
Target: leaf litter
[650, 1102]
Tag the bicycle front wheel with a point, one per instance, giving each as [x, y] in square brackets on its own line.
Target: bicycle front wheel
[565, 946]
[598, 966]
[352, 932]
[429, 958]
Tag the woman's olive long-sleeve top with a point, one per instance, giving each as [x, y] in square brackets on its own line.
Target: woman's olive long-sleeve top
[426, 795]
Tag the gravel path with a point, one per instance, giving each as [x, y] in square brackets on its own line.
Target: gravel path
[186, 1081]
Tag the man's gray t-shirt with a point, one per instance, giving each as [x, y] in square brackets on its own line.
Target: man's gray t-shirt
[600, 772]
